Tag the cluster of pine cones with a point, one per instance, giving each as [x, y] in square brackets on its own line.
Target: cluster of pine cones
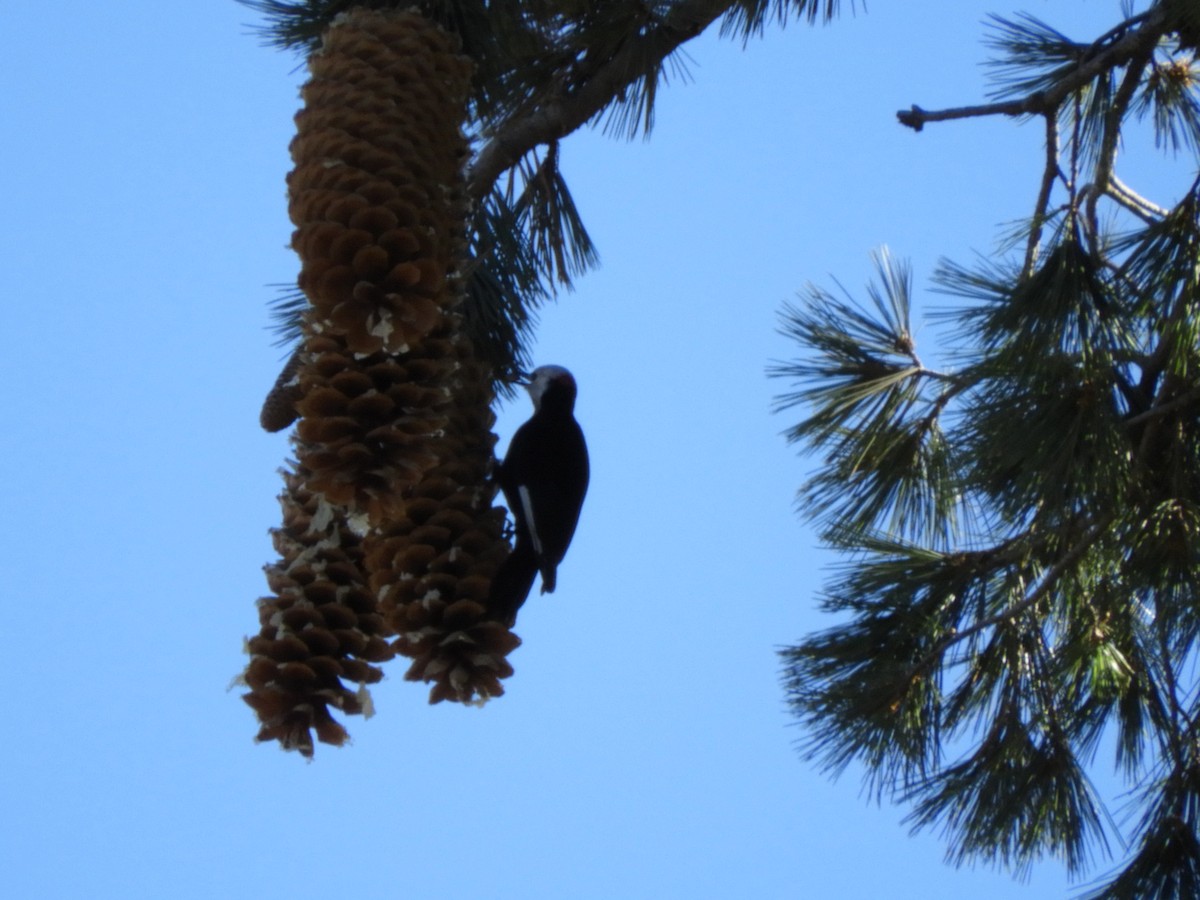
[390, 537]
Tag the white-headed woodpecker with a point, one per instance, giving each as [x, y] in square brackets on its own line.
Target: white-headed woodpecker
[544, 477]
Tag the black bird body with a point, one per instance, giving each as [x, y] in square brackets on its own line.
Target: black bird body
[544, 477]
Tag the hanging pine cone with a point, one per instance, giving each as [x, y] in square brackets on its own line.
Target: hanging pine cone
[379, 204]
[279, 409]
[321, 634]
[377, 191]
[433, 566]
[370, 426]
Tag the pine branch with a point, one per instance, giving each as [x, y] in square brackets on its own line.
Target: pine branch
[1116, 114]
[1144, 209]
[1151, 28]
[1074, 436]
[1049, 174]
[1014, 611]
[561, 115]
[1169, 406]
[1104, 180]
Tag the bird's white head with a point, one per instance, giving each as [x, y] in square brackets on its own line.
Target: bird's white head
[543, 378]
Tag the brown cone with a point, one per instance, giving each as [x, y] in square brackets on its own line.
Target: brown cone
[377, 191]
[379, 203]
[279, 409]
[433, 566]
[321, 635]
[370, 426]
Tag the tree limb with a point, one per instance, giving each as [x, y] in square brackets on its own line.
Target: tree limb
[560, 116]
[1104, 181]
[1144, 209]
[1165, 407]
[1132, 43]
[1043, 201]
[1072, 555]
[916, 117]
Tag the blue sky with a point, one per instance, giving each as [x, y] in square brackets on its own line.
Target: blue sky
[643, 748]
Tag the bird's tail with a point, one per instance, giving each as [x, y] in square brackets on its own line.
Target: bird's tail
[512, 583]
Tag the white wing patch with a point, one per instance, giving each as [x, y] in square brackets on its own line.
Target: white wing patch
[527, 505]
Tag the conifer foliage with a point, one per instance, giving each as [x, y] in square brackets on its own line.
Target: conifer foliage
[1021, 596]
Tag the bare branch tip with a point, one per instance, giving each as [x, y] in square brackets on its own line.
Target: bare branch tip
[913, 118]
